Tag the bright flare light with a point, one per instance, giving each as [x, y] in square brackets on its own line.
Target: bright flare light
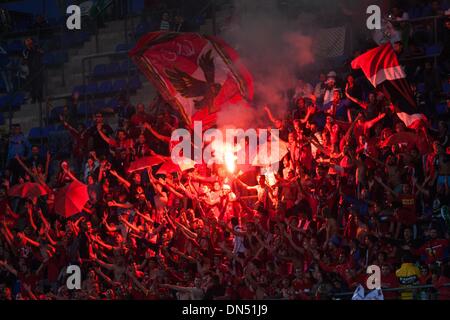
[229, 158]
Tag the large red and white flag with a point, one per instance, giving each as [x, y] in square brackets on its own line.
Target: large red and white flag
[198, 75]
[379, 64]
[382, 68]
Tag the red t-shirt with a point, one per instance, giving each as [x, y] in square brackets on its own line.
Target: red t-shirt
[390, 281]
[434, 250]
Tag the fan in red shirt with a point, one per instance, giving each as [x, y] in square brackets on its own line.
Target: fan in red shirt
[389, 280]
[435, 249]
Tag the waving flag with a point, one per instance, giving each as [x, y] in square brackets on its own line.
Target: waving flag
[381, 67]
[198, 75]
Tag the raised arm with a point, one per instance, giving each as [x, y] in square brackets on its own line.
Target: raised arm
[310, 111]
[130, 225]
[122, 180]
[25, 167]
[386, 187]
[156, 134]
[246, 186]
[369, 124]
[8, 267]
[107, 139]
[362, 104]
[103, 264]
[270, 115]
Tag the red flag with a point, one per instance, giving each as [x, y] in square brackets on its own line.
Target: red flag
[379, 64]
[144, 163]
[197, 75]
[381, 67]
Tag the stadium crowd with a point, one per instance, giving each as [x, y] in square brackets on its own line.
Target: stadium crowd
[357, 188]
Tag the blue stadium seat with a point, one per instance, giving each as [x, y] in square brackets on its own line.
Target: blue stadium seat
[18, 100]
[99, 105]
[54, 128]
[37, 133]
[99, 71]
[15, 46]
[446, 87]
[135, 83]
[421, 87]
[61, 57]
[119, 85]
[80, 89]
[85, 108]
[122, 47]
[91, 89]
[15, 100]
[67, 40]
[56, 112]
[113, 103]
[142, 28]
[442, 108]
[105, 87]
[433, 50]
[127, 66]
[49, 59]
[113, 69]
[4, 103]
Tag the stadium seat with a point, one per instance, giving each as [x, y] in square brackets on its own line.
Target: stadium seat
[37, 133]
[113, 69]
[77, 39]
[113, 103]
[119, 85]
[446, 87]
[2, 119]
[99, 105]
[15, 46]
[85, 108]
[49, 59]
[433, 50]
[105, 87]
[18, 100]
[61, 57]
[99, 71]
[135, 83]
[421, 87]
[141, 29]
[442, 108]
[91, 89]
[122, 47]
[54, 128]
[80, 89]
[56, 112]
[67, 40]
[4, 103]
[127, 67]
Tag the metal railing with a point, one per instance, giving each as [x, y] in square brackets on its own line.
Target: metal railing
[414, 289]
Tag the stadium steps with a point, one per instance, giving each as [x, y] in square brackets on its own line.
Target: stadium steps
[108, 38]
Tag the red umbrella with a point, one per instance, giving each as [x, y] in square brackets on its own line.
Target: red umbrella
[27, 190]
[144, 163]
[71, 199]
